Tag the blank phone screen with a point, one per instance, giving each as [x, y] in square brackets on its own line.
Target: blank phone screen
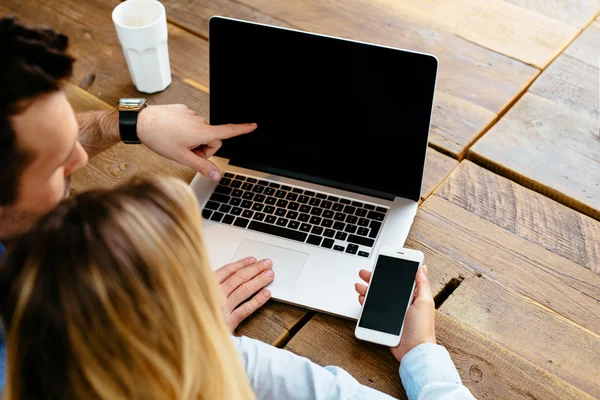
[389, 294]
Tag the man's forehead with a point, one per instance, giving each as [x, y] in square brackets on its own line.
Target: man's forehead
[47, 127]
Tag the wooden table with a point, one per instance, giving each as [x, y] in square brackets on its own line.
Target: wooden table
[511, 235]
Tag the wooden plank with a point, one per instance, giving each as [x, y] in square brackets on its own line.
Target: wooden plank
[528, 215]
[437, 168]
[575, 13]
[538, 301]
[271, 324]
[468, 96]
[549, 148]
[494, 24]
[585, 47]
[489, 370]
[100, 59]
[194, 14]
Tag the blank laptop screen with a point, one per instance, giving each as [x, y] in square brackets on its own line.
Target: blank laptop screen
[339, 113]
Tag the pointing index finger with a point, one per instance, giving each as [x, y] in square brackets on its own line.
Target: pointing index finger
[230, 130]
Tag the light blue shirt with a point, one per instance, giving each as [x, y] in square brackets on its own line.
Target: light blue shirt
[427, 373]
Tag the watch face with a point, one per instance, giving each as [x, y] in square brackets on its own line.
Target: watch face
[131, 104]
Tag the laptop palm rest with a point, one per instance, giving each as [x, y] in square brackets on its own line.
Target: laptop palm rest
[287, 264]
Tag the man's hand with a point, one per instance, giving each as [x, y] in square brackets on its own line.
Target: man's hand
[178, 133]
[239, 281]
[419, 324]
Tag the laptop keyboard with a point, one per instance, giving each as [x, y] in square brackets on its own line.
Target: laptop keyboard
[294, 213]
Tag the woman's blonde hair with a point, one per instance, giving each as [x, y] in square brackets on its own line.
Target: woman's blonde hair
[112, 297]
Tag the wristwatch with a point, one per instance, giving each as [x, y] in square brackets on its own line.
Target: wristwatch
[128, 115]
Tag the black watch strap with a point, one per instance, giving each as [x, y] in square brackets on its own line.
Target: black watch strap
[128, 126]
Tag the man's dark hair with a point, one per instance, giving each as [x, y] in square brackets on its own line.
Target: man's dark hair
[33, 62]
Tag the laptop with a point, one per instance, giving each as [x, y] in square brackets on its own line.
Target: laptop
[335, 167]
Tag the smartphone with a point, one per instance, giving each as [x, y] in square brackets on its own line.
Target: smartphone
[389, 295]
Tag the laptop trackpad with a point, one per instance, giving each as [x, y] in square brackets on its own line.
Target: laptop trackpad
[287, 264]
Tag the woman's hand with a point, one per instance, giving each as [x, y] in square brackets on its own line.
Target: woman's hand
[419, 324]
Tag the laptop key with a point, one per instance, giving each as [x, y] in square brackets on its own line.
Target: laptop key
[361, 212]
[327, 223]
[282, 203]
[350, 210]
[258, 189]
[369, 206]
[228, 175]
[339, 226]
[271, 200]
[316, 211]
[326, 204]
[339, 216]
[271, 219]
[338, 247]
[241, 222]
[309, 193]
[274, 185]
[237, 193]
[352, 249]
[350, 228]
[363, 241]
[277, 231]
[351, 219]
[297, 190]
[280, 212]
[282, 222]
[269, 210]
[223, 189]
[257, 207]
[228, 219]
[246, 204]
[220, 198]
[363, 254]
[292, 196]
[292, 214]
[285, 187]
[225, 181]
[314, 202]
[381, 209]
[376, 215]
[329, 233]
[345, 201]
[216, 216]
[315, 220]
[357, 204]
[305, 227]
[333, 198]
[236, 184]
[321, 195]
[363, 231]
[247, 214]
[375, 226]
[328, 214]
[294, 225]
[269, 191]
[240, 177]
[236, 211]
[259, 198]
[247, 186]
[303, 199]
[263, 183]
[341, 236]
[280, 194]
[259, 216]
[206, 213]
[327, 243]
[251, 180]
[224, 208]
[212, 205]
[293, 206]
[317, 230]
[303, 217]
[363, 222]
[337, 207]
[248, 196]
[314, 239]
[304, 208]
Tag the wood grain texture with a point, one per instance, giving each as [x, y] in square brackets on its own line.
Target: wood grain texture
[575, 13]
[195, 14]
[530, 216]
[437, 168]
[121, 162]
[519, 290]
[549, 148]
[489, 370]
[494, 24]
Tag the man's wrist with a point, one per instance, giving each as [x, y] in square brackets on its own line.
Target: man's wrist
[144, 124]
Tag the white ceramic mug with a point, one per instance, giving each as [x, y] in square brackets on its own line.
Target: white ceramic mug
[142, 30]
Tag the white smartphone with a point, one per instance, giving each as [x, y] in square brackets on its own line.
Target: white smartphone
[389, 295]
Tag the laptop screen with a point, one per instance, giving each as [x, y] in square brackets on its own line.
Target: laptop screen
[334, 112]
